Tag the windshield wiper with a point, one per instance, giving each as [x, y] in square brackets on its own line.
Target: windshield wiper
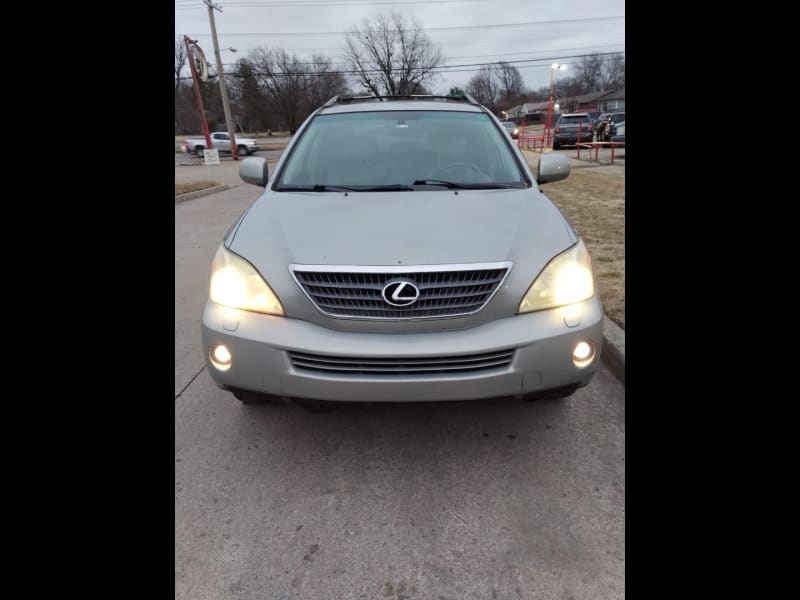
[319, 187]
[314, 188]
[464, 186]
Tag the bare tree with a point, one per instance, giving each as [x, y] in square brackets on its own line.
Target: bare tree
[391, 55]
[292, 86]
[180, 61]
[497, 86]
[485, 89]
[613, 73]
[589, 73]
[512, 88]
[323, 82]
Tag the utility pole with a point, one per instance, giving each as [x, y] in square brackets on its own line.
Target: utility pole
[198, 98]
[222, 87]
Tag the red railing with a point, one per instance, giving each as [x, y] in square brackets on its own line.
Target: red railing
[540, 142]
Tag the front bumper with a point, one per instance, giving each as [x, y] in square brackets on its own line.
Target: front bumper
[543, 343]
[572, 138]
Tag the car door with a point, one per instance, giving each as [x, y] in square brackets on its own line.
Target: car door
[222, 141]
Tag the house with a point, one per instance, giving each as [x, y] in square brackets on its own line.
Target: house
[530, 112]
[614, 102]
[588, 102]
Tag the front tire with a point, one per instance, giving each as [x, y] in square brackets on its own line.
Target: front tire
[198, 150]
[242, 150]
[553, 394]
[249, 398]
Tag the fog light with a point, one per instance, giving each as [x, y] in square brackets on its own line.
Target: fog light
[583, 354]
[220, 357]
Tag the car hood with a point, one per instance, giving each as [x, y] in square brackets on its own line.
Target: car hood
[401, 228]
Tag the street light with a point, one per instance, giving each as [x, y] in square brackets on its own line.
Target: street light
[553, 68]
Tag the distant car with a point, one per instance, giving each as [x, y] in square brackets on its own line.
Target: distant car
[222, 142]
[601, 130]
[571, 126]
[512, 128]
[617, 132]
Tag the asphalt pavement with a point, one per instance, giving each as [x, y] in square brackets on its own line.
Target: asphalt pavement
[493, 499]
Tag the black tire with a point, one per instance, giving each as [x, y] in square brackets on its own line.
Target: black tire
[249, 398]
[556, 145]
[553, 394]
[198, 150]
[242, 150]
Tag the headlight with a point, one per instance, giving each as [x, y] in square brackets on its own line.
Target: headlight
[565, 280]
[516, 130]
[236, 283]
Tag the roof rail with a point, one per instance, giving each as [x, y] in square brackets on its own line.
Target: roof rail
[351, 99]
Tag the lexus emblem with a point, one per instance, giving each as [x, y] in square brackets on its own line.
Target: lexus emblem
[400, 292]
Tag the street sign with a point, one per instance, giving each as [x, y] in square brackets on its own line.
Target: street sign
[211, 156]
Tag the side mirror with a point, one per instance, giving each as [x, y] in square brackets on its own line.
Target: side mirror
[254, 170]
[552, 167]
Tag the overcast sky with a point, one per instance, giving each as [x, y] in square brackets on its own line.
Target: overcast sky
[592, 26]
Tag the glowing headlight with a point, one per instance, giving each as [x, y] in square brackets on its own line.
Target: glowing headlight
[516, 130]
[236, 283]
[567, 279]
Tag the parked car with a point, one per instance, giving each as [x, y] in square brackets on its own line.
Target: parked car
[512, 128]
[570, 127]
[601, 130]
[617, 132]
[222, 142]
[402, 250]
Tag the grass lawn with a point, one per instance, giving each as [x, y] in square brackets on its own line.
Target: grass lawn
[595, 203]
[193, 186]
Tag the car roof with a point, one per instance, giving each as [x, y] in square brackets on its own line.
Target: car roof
[350, 104]
[580, 114]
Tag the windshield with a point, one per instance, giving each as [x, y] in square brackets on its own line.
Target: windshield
[574, 120]
[397, 149]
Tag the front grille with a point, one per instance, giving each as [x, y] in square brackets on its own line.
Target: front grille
[444, 290]
[351, 365]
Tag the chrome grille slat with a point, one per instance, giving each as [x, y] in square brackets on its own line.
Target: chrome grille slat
[346, 360]
[444, 290]
[401, 366]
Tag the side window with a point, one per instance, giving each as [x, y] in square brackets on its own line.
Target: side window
[220, 136]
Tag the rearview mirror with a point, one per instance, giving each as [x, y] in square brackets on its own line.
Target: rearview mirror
[552, 167]
[254, 170]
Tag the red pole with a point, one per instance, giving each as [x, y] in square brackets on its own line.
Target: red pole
[197, 95]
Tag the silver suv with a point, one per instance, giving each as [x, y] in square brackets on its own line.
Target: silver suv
[402, 251]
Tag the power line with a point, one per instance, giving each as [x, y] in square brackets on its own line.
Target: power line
[458, 27]
[322, 3]
[233, 64]
[442, 69]
[473, 43]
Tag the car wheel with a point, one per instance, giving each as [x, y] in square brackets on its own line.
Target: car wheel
[553, 394]
[249, 398]
[242, 150]
[198, 150]
[556, 145]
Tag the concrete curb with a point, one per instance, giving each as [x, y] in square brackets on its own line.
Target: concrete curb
[614, 348]
[200, 193]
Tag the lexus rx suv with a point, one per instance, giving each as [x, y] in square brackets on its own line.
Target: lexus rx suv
[402, 250]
